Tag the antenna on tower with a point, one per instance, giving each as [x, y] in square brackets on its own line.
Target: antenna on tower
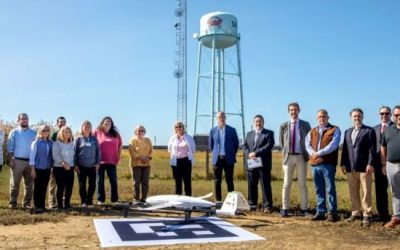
[180, 72]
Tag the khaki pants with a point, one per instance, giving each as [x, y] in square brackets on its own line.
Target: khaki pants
[295, 161]
[21, 169]
[355, 180]
[52, 191]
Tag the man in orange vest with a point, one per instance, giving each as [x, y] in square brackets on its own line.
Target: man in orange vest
[322, 144]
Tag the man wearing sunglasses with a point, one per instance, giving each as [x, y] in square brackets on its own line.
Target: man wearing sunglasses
[381, 182]
[390, 160]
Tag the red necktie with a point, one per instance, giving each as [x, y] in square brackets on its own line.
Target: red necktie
[293, 146]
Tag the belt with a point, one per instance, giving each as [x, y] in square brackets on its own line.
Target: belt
[395, 162]
[222, 157]
[294, 153]
[21, 159]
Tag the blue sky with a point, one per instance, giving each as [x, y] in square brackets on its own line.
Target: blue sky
[88, 59]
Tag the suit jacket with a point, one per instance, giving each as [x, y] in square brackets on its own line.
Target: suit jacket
[284, 139]
[378, 134]
[231, 144]
[377, 129]
[362, 153]
[262, 147]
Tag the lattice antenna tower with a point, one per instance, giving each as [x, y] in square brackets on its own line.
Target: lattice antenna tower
[180, 72]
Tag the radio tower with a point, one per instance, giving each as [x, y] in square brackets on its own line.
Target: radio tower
[181, 69]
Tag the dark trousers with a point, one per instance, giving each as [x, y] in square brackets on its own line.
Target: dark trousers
[87, 173]
[381, 186]
[141, 176]
[264, 176]
[183, 171]
[222, 165]
[111, 170]
[65, 182]
[40, 187]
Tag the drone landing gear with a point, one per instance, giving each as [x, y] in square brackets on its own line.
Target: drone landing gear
[187, 217]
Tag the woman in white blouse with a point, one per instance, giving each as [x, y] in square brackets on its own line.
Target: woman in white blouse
[63, 156]
[181, 147]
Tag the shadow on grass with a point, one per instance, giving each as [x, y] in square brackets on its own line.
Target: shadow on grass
[23, 216]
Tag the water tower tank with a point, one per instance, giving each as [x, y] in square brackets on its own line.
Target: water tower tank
[221, 26]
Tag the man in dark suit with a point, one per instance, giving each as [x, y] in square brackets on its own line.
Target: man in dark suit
[223, 142]
[390, 162]
[381, 181]
[292, 136]
[258, 145]
[358, 157]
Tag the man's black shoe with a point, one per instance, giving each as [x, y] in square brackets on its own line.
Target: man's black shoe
[305, 213]
[284, 213]
[381, 218]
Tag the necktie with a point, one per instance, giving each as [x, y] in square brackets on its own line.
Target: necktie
[384, 126]
[256, 137]
[293, 145]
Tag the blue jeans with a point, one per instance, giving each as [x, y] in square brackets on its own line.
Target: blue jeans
[112, 177]
[324, 180]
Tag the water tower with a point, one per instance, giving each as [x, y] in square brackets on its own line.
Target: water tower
[219, 76]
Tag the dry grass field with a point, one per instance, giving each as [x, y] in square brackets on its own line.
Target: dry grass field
[162, 181]
[19, 228]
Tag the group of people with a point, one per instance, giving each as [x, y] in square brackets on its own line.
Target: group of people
[40, 159]
[43, 159]
[366, 151]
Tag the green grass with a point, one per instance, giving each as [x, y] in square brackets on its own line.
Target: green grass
[162, 181]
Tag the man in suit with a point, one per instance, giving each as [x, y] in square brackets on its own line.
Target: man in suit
[292, 135]
[223, 142]
[390, 161]
[259, 144]
[322, 144]
[358, 157]
[381, 181]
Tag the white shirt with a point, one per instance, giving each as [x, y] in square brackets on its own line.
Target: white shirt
[173, 148]
[221, 141]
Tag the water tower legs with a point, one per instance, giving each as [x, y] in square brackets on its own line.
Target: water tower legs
[220, 80]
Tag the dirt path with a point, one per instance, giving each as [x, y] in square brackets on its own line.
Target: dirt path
[291, 233]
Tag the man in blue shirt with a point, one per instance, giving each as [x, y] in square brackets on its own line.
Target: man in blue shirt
[322, 145]
[19, 148]
[223, 141]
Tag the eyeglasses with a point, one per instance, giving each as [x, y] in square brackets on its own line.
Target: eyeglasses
[141, 130]
[45, 130]
[384, 113]
[179, 126]
[396, 115]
